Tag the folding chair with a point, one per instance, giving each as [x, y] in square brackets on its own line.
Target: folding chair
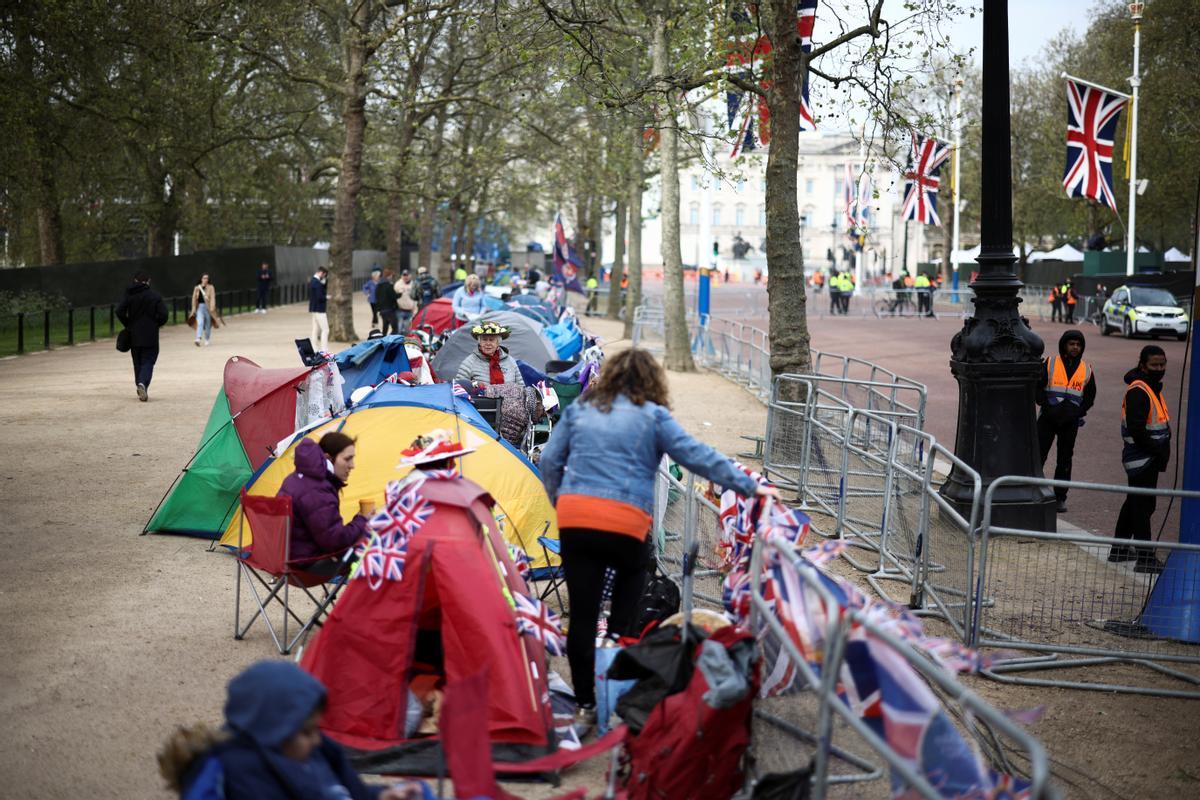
[553, 576]
[271, 520]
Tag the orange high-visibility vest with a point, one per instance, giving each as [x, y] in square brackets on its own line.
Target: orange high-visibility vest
[1059, 387]
[1158, 426]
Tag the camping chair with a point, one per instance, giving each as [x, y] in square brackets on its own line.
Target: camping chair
[489, 409]
[271, 520]
[552, 575]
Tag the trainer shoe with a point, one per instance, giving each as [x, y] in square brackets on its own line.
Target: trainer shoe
[141, 390]
[1062, 506]
[1120, 552]
[1148, 566]
[585, 720]
[197, 343]
[207, 342]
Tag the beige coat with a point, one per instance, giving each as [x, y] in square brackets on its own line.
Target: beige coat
[210, 300]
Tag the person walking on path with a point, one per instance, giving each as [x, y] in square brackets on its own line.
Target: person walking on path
[203, 315]
[263, 288]
[371, 289]
[924, 294]
[426, 289]
[846, 285]
[599, 468]
[385, 302]
[317, 300]
[407, 306]
[1066, 391]
[835, 293]
[1070, 299]
[1146, 431]
[142, 311]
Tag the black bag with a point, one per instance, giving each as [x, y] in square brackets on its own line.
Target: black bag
[659, 601]
[124, 342]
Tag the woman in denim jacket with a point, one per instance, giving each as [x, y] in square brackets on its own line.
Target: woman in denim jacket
[599, 468]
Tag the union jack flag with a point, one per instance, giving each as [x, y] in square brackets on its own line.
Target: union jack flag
[382, 558]
[566, 262]
[407, 514]
[806, 19]
[921, 187]
[534, 618]
[520, 559]
[1091, 124]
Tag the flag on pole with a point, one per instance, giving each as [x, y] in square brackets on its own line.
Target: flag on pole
[922, 180]
[806, 19]
[1092, 116]
[566, 262]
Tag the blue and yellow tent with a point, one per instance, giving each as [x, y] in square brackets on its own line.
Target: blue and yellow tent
[386, 422]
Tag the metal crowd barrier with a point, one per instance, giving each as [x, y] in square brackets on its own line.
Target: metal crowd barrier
[683, 516]
[1057, 597]
[813, 701]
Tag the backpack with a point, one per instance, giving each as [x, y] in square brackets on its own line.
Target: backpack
[425, 287]
[689, 748]
[659, 601]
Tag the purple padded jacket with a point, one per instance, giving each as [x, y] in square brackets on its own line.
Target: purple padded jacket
[317, 527]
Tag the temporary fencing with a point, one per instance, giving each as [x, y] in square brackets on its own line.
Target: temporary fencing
[1058, 597]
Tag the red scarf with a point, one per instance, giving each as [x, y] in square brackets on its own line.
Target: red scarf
[496, 374]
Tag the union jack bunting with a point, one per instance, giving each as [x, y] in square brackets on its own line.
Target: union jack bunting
[520, 559]
[921, 176]
[408, 513]
[382, 557]
[1091, 124]
[536, 619]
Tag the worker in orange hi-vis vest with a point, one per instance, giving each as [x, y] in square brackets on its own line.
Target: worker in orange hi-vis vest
[1056, 311]
[1066, 391]
[1070, 298]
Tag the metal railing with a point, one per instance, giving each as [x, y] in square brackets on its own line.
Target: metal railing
[46, 329]
[1058, 597]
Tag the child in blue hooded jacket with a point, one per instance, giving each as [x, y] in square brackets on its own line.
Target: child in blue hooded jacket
[271, 746]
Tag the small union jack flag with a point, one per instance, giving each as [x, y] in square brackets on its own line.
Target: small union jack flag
[534, 618]
[382, 558]
[1092, 115]
[406, 513]
[921, 188]
[521, 560]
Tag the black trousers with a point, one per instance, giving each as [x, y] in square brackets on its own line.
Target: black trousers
[264, 291]
[1055, 310]
[835, 302]
[924, 302]
[845, 298]
[586, 555]
[1070, 312]
[388, 321]
[143, 364]
[1134, 520]
[374, 313]
[1066, 434]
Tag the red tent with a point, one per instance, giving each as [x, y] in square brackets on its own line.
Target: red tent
[444, 620]
[262, 403]
[438, 315]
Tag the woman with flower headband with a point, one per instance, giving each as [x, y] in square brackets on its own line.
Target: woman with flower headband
[490, 363]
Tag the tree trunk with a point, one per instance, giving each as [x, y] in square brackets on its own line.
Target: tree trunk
[636, 178]
[618, 270]
[354, 124]
[786, 302]
[425, 233]
[445, 272]
[596, 229]
[395, 234]
[41, 133]
[678, 346]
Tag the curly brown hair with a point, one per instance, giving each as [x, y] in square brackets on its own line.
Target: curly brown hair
[633, 373]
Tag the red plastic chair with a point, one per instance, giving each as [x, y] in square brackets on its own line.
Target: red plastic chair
[270, 518]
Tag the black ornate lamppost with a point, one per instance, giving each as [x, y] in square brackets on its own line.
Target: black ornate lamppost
[996, 358]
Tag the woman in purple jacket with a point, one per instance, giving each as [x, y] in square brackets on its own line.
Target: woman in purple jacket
[322, 469]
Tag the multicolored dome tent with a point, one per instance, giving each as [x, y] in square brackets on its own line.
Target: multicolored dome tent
[254, 410]
[385, 422]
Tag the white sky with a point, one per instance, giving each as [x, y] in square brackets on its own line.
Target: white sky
[1031, 24]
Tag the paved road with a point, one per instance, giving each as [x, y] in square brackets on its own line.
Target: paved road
[920, 349]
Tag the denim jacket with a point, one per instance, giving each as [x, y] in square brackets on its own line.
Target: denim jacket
[614, 455]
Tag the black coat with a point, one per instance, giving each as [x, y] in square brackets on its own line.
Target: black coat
[385, 296]
[142, 311]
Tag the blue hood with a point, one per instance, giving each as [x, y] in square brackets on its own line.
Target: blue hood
[270, 701]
